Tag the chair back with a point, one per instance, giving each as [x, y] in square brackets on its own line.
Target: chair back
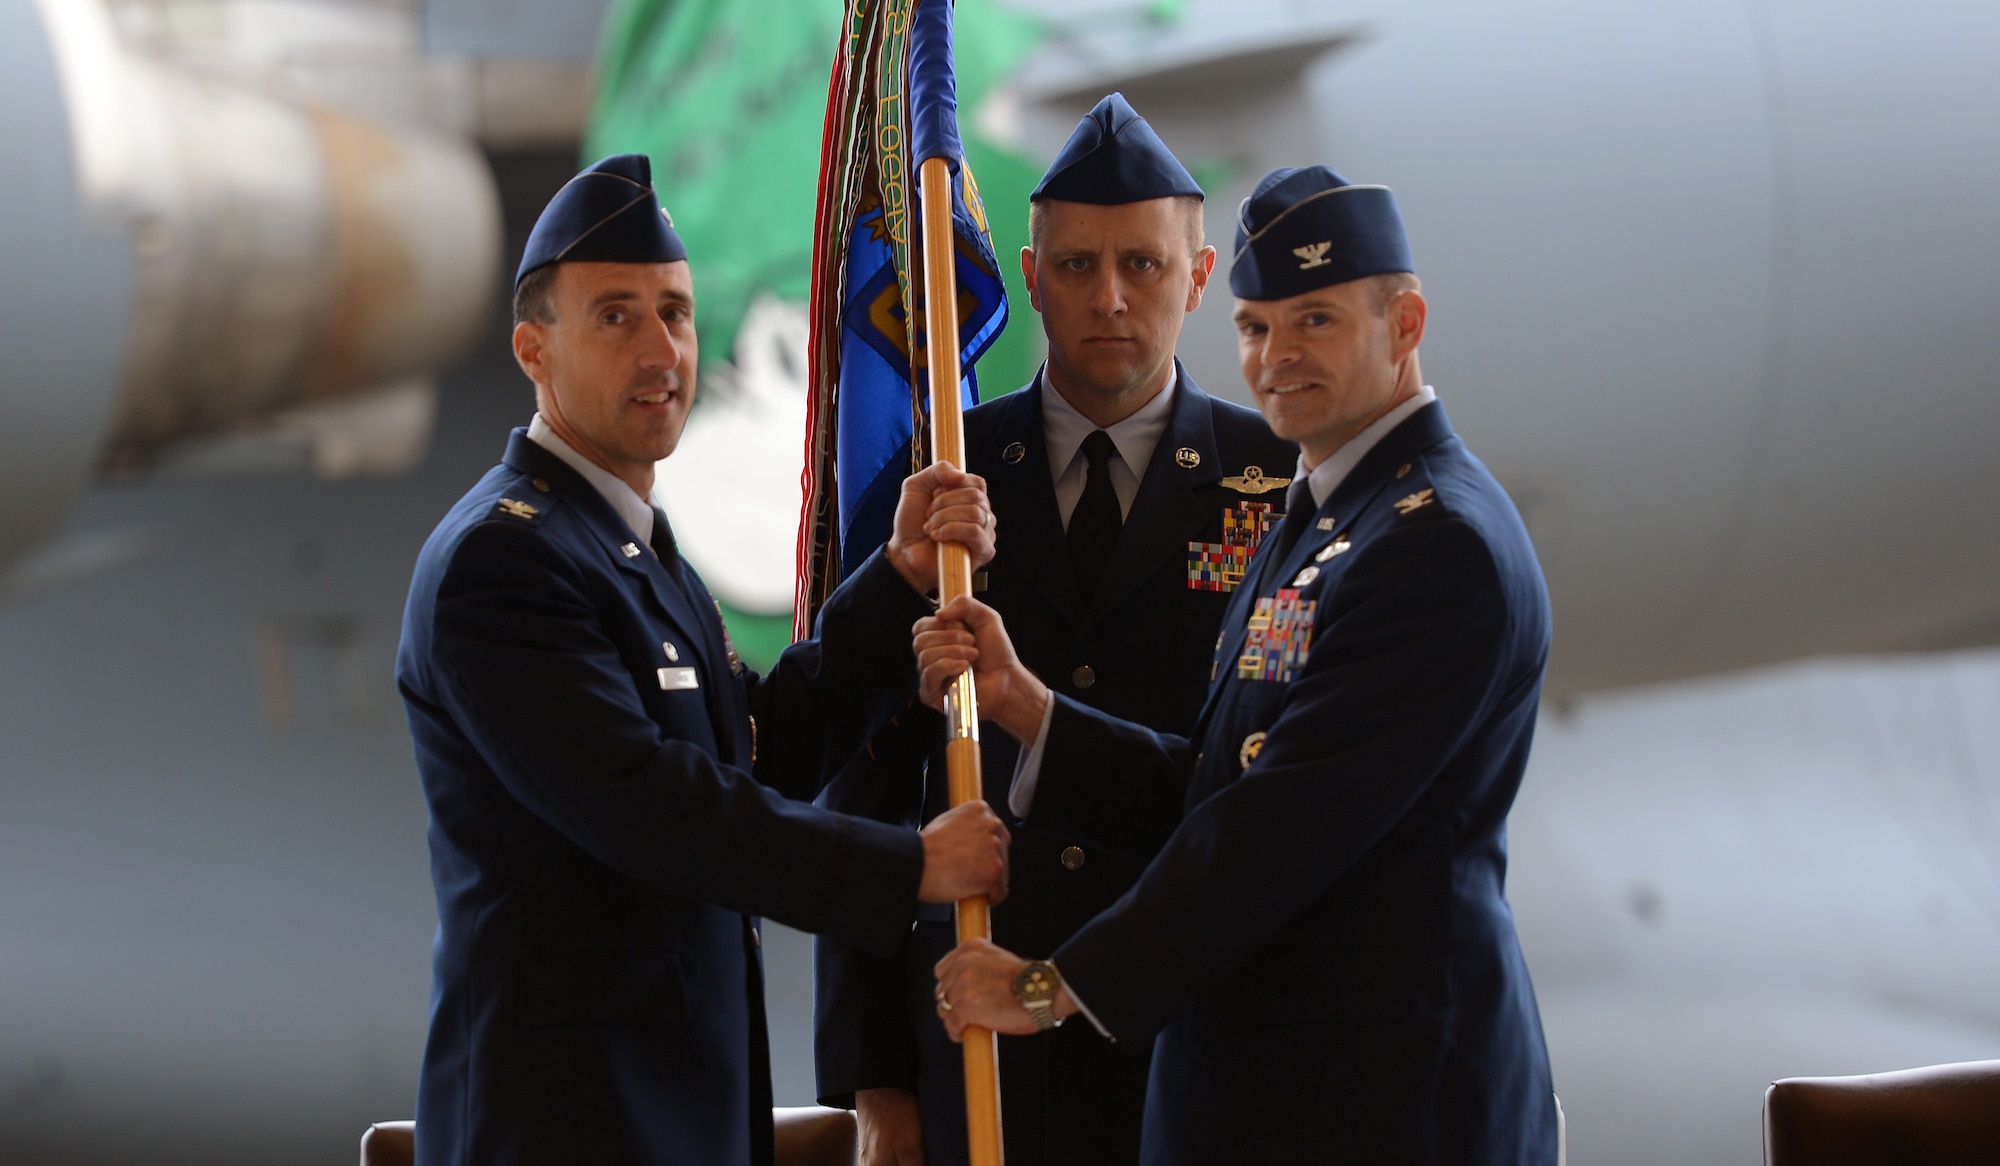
[389, 1143]
[1942, 1115]
[807, 1136]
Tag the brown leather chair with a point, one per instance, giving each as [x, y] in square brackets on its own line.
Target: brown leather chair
[1943, 1115]
[807, 1136]
[389, 1143]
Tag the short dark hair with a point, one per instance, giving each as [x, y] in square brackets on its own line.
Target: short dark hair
[1191, 207]
[1387, 286]
[534, 296]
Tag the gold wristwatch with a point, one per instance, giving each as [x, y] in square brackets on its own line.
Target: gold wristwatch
[1035, 987]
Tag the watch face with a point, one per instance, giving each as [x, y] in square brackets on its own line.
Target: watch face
[1037, 981]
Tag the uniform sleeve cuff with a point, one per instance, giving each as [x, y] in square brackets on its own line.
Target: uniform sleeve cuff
[1028, 771]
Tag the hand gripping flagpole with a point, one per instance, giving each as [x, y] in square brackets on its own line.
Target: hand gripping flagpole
[934, 140]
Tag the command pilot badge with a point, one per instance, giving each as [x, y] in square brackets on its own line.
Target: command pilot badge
[1279, 636]
[1220, 566]
[1253, 481]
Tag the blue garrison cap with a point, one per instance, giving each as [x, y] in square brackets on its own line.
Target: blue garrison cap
[607, 214]
[1306, 228]
[1114, 157]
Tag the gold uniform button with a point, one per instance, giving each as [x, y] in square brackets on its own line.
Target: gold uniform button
[1072, 857]
[540, 484]
[1403, 471]
[1083, 677]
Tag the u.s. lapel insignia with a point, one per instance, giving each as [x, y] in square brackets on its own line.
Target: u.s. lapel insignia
[517, 509]
[1416, 501]
[1221, 566]
[1013, 454]
[629, 550]
[1306, 576]
[1186, 458]
[1327, 523]
[1252, 746]
[1277, 637]
[1253, 481]
[1338, 546]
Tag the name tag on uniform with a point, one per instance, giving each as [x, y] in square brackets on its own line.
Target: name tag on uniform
[682, 679]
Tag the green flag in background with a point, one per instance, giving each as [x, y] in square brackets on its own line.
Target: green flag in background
[727, 97]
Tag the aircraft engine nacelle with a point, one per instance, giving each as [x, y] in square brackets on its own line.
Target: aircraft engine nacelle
[179, 254]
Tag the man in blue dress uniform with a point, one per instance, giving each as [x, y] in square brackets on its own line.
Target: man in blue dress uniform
[611, 791]
[1129, 502]
[1322, 943]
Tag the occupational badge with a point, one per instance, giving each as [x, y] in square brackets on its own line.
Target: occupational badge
[1221, 566]
[1252, 746]
[1338, 546]
[1278, 637]
[1306, 576]
[1253, 481]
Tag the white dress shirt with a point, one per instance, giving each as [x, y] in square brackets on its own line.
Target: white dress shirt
[1063, 431]
[636, 511]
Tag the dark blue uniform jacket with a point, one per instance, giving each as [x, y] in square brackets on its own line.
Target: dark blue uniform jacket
[1140, 650]
[1322, 945]
[602, 840]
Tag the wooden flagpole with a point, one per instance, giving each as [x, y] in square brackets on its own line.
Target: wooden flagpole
[982, 1063]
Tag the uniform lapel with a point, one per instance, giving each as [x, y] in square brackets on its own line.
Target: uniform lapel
[681, 604]
[1167, 513]
[1023, 496]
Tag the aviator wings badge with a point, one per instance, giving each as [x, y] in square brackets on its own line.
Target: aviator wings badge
[1253, 481]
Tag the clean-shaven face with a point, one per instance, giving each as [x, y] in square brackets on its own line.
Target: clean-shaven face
[1113, 285]
[1322, 365]
[618, 362]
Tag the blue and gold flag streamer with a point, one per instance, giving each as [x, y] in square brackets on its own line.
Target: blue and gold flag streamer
[866, 427]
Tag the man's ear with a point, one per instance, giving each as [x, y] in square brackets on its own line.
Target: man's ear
[1204, 266]
[1028, 274]
[530, 342]
[1408, 313]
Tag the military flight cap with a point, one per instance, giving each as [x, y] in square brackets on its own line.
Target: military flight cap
[1113, 158]
[1305, 228]
[607, 214]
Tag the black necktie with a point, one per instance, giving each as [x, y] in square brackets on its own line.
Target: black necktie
[1299, 511]
[1094, 524]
